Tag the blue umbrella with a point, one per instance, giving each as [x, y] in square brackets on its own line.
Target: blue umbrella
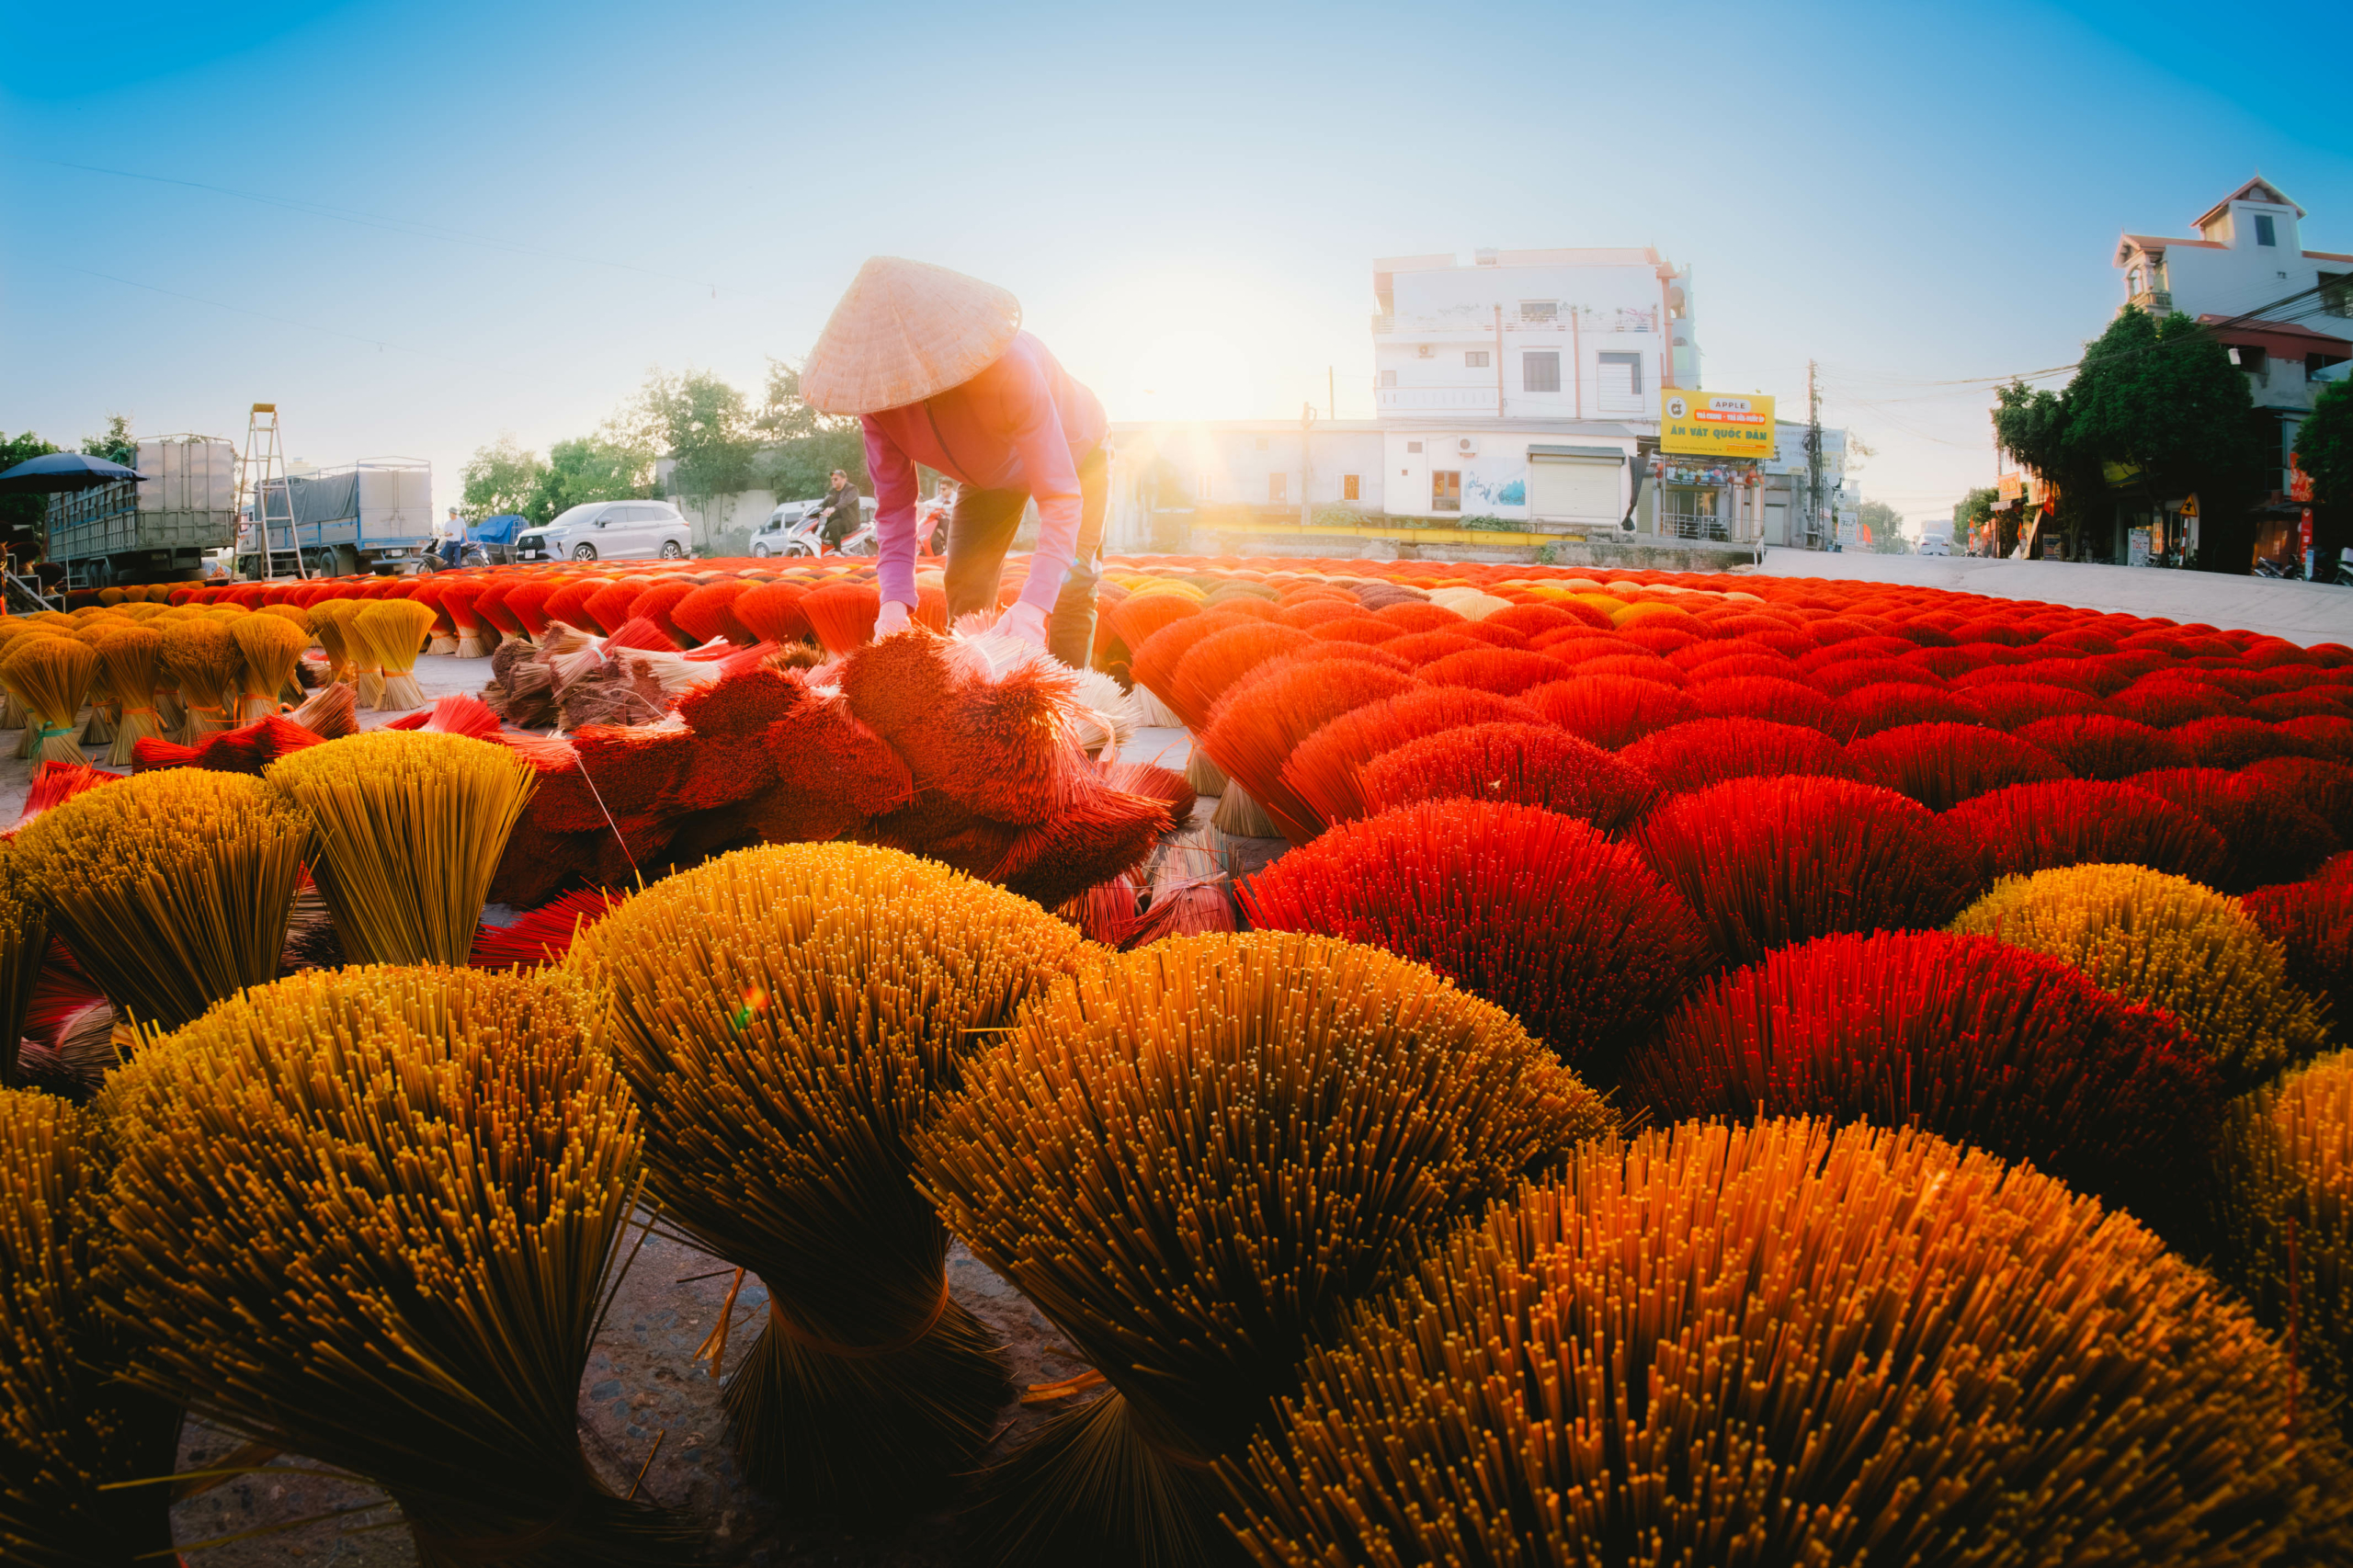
[64, 470]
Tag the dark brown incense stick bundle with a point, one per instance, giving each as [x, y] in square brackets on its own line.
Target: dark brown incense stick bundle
[1192, 1157]
[411, 826]
[67, 1427]
[788, 1016]
[24, 942]
[371, 1216]
[171, 887]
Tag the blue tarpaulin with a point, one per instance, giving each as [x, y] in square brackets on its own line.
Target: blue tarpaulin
[499, 529]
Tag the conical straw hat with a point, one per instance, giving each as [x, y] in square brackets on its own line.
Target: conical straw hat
[905, 331]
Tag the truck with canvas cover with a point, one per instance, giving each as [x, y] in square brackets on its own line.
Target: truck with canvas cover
[156, 532]
[372, 517]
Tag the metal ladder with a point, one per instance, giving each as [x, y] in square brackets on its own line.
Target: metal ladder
[261, 473]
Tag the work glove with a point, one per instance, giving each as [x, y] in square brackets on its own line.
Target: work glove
[893, 619]
[1026, 621]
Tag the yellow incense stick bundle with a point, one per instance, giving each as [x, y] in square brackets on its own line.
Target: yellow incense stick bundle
[171, 887]
[201, 658]
[374, 1216]
[67, 1426]
[411, 826]
[105, 705]
[133, 657]
[329, 620]
[270, 646]
[50, 676]
[395, 629]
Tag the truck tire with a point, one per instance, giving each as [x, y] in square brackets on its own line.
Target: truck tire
[584, 552]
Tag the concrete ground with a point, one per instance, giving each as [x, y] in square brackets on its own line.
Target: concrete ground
[2303, 613]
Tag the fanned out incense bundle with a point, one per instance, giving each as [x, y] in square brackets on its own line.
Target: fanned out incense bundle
[171, 887]
[394, 631]
[371, 1216]
[201, 658]
[270, 647]
[788, 1017]
[2166, 941]
[411, 827]
[2284, 1214]
[132, 657]
[50, 676]
[24, 942]
[1192, 1157]
[332, 712]
[1782, 1343]
[66, 1427]
[331, 623]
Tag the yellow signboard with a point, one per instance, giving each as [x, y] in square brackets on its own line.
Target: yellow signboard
[1717, 425]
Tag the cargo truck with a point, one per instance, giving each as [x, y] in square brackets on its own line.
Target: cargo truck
[372, 517]
[152, 533]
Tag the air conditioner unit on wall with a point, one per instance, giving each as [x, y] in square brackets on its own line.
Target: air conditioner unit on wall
[1467, 446]
[1424, 351]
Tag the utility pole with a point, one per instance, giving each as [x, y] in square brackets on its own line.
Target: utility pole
[1812, 456]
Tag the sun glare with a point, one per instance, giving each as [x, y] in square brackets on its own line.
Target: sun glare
[1190, 375]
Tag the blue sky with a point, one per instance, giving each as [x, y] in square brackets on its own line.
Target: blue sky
[463, 221]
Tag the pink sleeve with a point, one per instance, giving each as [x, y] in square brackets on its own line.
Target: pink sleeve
[1036, 432]
[894, 518]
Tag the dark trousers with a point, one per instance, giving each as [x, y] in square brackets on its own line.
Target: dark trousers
[981, 529]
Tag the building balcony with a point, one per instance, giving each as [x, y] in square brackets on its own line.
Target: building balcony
[2155, 302]
[1467, 325]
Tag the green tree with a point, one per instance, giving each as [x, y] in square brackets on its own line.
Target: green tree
[1886, 525]
[501, 478]
[21, 515]
[116, 446]
[2324, 451]
[1972, 511]
[589, 469]
[701, 423]
[2163, 397]
[800, 446]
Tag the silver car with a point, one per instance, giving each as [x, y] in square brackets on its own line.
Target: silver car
[609, 531]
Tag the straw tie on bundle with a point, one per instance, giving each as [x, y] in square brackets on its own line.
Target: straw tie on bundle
[1192, 1157]
[172, 889]
[24, 943]
[67, 1427]
[271, 647]
[372, 1216]
[393, 631]
[132, 657]
[201, 658]
[411, 826]
[788, 1016]
[1782, 1344]
[50, 676]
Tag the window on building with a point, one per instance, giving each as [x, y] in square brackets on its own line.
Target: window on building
[1388, 378]
[1413, 446]
[2248, 358]
[1541, 371]
[1278, 486]
[1350, 489]
[2336, 293]
[1477, 358]
[2264, 235]
[1538, 310]
[1621, 374]
[2132, 281]
[1446, 490]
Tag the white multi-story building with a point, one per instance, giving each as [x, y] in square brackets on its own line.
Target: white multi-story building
[2248, 255]
[1531, 335]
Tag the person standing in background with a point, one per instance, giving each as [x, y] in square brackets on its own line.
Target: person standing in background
[937, 367]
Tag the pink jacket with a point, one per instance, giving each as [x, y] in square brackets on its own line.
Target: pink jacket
[1021, 424]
